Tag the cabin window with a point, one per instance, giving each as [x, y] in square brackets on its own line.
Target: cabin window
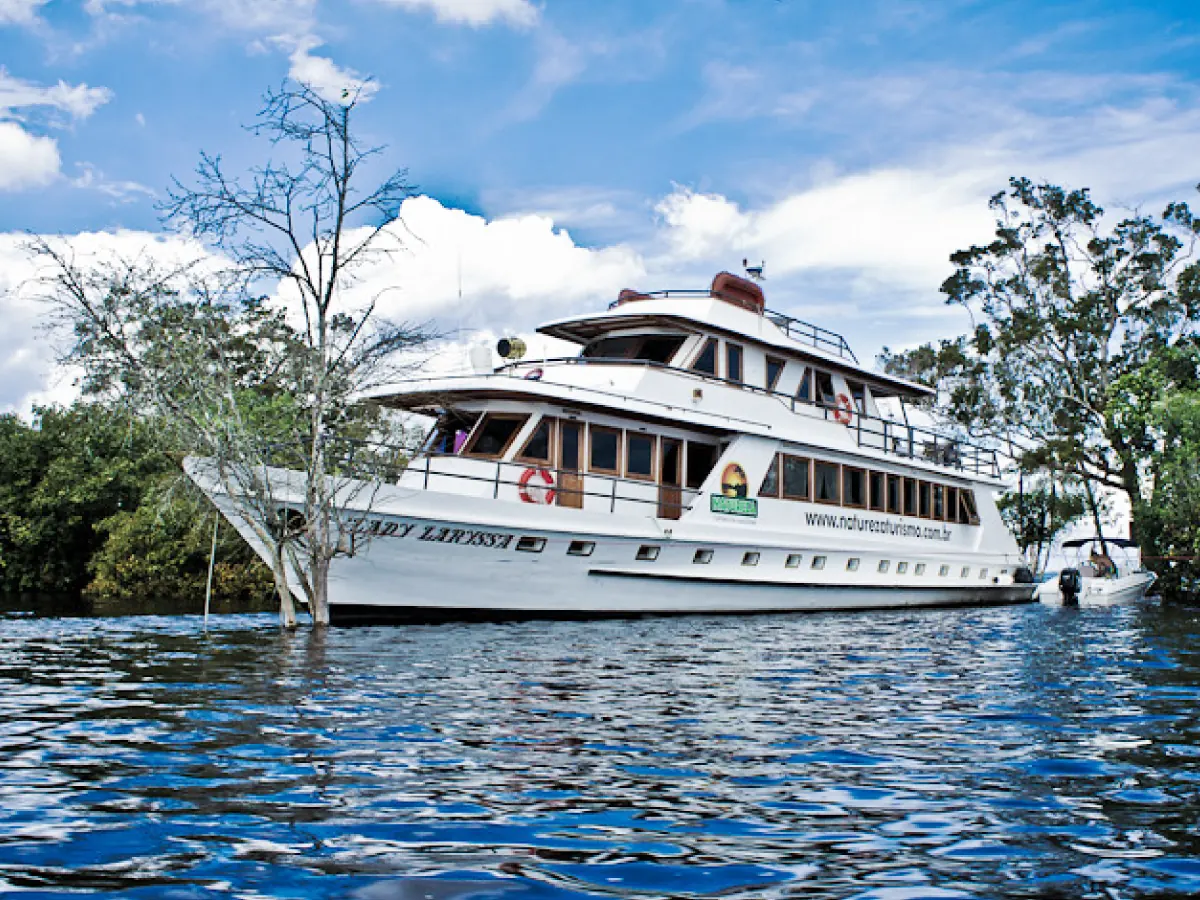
[875, 486]
[966, 506]
[966, 572]
[944, 571]
[700, 461]
[706, 361]
[702, 557]
[825, 394]
[793, 561]
[795, 478]
[818, 562]
[451, 432]
[910, 496]
[804, 392]
[750, 558]
[774, 371]
[895, 494]
[493, 436]
[859, 394]
[605, 455]
[531, 544]
[901, 568]
[639, 455]
[939, 501]
[581, 548]
[733, 362]
[655, 348]
[920, 569]
[854, 487]
[951, 504]
[647, 553]
[537, 448]
[852, 564]
[825, 480]
[770, 482]
[982, 574]
[925, 499]
[884, 564]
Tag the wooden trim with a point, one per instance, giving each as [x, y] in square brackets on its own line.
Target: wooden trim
[469, 447]
[551, 443]
[653, 438]
[620, 449]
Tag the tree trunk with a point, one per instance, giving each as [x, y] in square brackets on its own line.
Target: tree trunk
[287, 605]
[319, 601]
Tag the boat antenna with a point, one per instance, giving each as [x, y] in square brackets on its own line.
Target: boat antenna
[755, 272]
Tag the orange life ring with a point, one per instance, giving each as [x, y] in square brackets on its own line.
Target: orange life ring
[540, 493]
[844, 411]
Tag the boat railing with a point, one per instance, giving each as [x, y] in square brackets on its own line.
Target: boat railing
[895, 438]
[797, 329]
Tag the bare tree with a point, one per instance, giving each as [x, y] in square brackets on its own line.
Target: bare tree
[263, 388]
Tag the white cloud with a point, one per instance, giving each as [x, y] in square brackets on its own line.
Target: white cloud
[77, 100]
[331, 82]
[475, 13]
[20, 12]
[25, 159]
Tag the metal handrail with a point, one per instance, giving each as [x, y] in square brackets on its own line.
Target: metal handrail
[897, 438]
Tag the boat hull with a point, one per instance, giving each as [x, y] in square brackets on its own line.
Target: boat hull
[1130, 588]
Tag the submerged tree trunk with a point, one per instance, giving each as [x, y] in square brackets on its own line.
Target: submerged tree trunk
[287, 605]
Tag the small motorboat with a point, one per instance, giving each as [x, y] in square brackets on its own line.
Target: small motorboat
[1106, 571]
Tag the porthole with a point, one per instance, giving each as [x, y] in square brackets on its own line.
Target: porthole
[750, 558]
[884, 565]
[901, 568]
[944, 571]
[818, 562]
[966, 572]
[1004, 571]
[852, 564]
[581, 548]
[702, 557]
[982, 574]
[531, 544]
[920, 570]
[794, 560]
[648, 552]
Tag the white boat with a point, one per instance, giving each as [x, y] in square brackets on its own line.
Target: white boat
[701, 454]
[1104, 578]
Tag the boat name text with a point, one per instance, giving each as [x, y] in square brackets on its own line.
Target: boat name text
[465, 536]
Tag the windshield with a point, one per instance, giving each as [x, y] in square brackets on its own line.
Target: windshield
[656, 348]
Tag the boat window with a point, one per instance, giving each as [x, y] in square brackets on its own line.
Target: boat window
[770, 482]
[656, 348]
[854, 487]
[700, 461]
[939, 501]
[910, 496]
[706, 362]
[966, 572]
[613, 348]
[537, 448]
[825, 393]
[982, 574]
[925, 498]
[750, 558]
[951, 504]
[795, 478]
[672, 462]
[859, 394]
[733, 362]
[774, 370]
[895, 490]
[884, 564]
[793, 561]
[639, 455]
[920, 569]
[581, 548]
[531, 544]
[569, 456]
[605, 450]
[702, 557]
[660, 348]
[825, 481]
[818, 562]
[944, 571]
[966, 507]
[647, 552]
[876, 487]
[493, 436]
[901, 568]
[852, 564]
[804, 392]
[451, 432]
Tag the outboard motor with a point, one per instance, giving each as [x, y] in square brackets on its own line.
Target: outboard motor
[1023, 575]
[1070, 586]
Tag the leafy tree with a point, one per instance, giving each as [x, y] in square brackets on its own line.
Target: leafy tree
[263, 390]
[1039, 514]
[1065, 305]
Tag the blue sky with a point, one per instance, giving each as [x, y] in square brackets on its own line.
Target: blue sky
[851, 145]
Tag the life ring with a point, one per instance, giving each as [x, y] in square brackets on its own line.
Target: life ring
[542, 493]
[844, 411]
[534, 375]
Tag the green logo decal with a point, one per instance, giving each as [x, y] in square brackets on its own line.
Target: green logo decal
[733, 506]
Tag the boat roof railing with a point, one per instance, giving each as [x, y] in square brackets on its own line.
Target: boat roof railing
[797, 329]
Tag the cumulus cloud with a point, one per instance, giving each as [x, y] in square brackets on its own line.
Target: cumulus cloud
[475, 13]
[331, 82]
[20, 12]
[25, 159]
[76, 100]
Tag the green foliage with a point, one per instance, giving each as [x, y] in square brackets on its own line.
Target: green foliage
[1038, 515]
[155, 558]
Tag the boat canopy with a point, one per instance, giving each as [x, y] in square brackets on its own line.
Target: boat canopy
[1084, 541]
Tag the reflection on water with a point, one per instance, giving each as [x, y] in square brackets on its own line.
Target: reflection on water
[1026, 752]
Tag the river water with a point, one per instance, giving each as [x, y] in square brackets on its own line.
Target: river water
[1023, 752]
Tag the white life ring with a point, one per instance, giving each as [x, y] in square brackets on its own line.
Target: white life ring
[844, 411]
[541, 493]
